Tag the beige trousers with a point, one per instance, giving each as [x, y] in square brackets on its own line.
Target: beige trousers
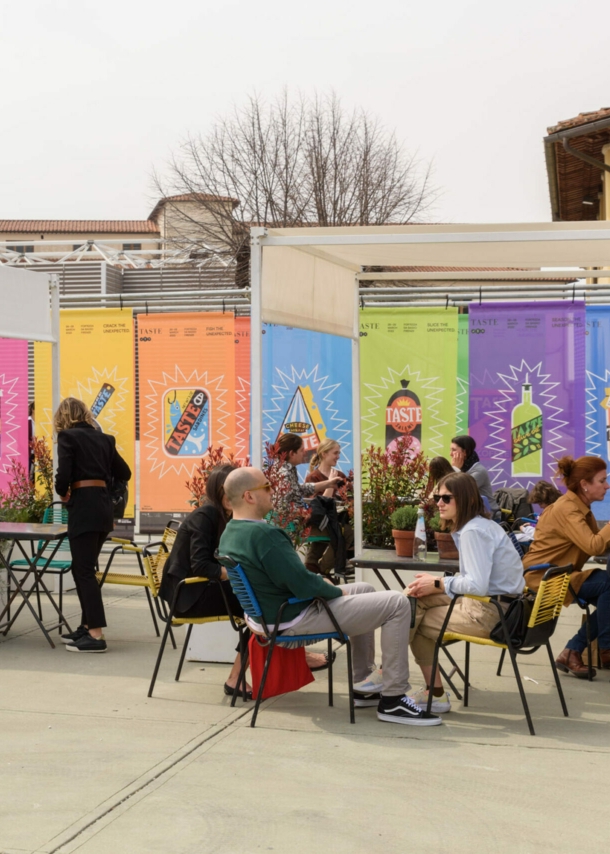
[469, 617]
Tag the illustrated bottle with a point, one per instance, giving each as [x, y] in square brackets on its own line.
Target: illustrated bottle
[526, 436]
[403, 418]
[420, 546]
[605, 404]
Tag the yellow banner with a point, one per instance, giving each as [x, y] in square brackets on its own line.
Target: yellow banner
[97, 366]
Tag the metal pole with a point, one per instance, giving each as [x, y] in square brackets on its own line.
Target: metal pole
[55, 355]
[256, 345]
[356, 431]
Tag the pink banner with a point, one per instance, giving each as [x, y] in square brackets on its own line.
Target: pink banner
[13, 406]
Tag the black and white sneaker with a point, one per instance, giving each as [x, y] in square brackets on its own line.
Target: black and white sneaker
[402, 710]
[77, 634]
[87, 644]
[362, 700]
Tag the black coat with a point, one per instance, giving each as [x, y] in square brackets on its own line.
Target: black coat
[193, 554]
[84, 453]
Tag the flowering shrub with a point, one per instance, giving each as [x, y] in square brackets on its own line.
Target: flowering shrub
[291, 515]
[390, 479]
[215, 457]
[24, 500]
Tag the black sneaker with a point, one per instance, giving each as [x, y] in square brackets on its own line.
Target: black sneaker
[362, 701]
[78, 633]
[402, 710]
[87, 644]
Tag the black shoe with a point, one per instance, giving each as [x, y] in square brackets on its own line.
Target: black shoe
[87, 644]
[230, 691]
[402, 710]
[363, 701]
[80, 632]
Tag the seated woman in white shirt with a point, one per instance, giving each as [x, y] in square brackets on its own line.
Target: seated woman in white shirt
[489, 566]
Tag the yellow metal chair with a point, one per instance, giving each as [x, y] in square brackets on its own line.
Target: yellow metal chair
[541, 625]
[173, 622]
[151, 565]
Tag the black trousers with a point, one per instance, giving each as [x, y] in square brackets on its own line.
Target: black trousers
[85, 550]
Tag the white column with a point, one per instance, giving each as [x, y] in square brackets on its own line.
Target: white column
[55, 363]
[356, 432]
[256, 345]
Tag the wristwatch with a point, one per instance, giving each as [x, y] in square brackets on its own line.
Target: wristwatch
[437, 583]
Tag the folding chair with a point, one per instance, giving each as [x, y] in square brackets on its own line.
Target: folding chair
[540, 627]
[151, 565]
[172, 621]
[56, 514]
[248, 601]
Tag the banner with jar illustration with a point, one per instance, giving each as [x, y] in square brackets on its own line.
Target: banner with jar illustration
[408, 374]
[186, 402]
[307, 389]
[597, 390]
[527, 387]
[13, 407]
[96, 366]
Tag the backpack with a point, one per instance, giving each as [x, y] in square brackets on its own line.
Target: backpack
[513, 503]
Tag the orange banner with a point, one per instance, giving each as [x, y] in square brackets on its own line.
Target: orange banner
[187, 401]
[242, 387]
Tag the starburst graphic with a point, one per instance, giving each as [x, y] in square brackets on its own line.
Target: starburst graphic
[433, 396]
[8, 424]
[154, 436]
[242, 418]
[88, 389]
[461, 406]
[323, 390]
[595, 440]
[499, 441]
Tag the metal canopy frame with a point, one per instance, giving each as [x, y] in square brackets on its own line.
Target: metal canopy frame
[571, 248]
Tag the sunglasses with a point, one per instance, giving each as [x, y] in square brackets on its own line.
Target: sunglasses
[446, 499]
[265, 485]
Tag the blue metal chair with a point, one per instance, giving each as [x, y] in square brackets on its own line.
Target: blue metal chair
[248, 601]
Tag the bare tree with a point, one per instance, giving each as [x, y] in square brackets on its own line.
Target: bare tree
[292, 163]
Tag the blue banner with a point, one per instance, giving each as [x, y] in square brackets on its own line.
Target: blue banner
[307, 389]
[597, 412]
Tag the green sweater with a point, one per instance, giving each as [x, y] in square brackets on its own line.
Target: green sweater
[273, 568]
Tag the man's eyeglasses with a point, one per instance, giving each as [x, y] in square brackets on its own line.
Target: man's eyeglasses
[446, 498]
[265, 485]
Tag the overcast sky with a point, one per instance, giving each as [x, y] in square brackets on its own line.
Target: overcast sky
[96, 95]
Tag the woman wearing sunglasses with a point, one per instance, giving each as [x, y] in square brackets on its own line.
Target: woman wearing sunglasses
[489, 566]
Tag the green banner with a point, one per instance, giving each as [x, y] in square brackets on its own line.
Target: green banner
[461, 412]
[408, 377]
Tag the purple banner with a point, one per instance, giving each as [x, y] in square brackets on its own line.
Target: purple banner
[527, 387]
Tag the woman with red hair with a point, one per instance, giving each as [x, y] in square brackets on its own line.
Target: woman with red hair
[568, 533]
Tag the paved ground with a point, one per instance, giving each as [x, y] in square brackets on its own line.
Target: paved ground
[90, 764]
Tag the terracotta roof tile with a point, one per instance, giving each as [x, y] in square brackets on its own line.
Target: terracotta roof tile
[78, 226]
[581, 119]
[191, 197]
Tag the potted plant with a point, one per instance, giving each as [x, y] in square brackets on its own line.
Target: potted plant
[444, 541]
[403, 523]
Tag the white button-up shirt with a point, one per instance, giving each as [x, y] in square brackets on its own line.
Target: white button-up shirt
[489, 562]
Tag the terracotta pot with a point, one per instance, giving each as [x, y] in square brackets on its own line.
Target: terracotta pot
[446, 547]
[403, 541]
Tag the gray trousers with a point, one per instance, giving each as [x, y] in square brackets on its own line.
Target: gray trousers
[359, 614]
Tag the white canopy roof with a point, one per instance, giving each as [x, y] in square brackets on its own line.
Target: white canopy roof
[25, 307]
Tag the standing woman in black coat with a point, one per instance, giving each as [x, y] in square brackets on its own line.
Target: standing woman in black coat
[87, 461]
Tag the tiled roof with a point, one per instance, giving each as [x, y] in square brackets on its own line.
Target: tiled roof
[78, 226]
[581, 119]
[191, 197]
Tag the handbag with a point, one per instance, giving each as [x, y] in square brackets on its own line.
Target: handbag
[119, 495]
[287, 672]
[516, 617]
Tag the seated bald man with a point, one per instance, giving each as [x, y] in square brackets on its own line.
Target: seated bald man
[276, 573]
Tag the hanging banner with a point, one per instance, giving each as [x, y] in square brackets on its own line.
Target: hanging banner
[97, 367]
[597, 412]
[13, 407]
[307, 389]
[461, 412]
[187, 399]
[242, 387]
[527, 381]
[408, 376]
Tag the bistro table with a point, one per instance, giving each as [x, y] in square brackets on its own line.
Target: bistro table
[384, 560]
[42, 553]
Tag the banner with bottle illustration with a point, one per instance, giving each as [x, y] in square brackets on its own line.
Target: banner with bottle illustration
[96, 366]
[408, 371]
[527, 388]
[461, 412]
[13, 407]
[597, 390]
[186, 403]
[242, 388]
[307, 389]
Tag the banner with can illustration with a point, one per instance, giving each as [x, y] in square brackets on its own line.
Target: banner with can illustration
[242, 387]
[186, 403]
[408, 371]
[307, 389]
[597, 390]
[527, 381]
[13, 407]
[97, 367]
